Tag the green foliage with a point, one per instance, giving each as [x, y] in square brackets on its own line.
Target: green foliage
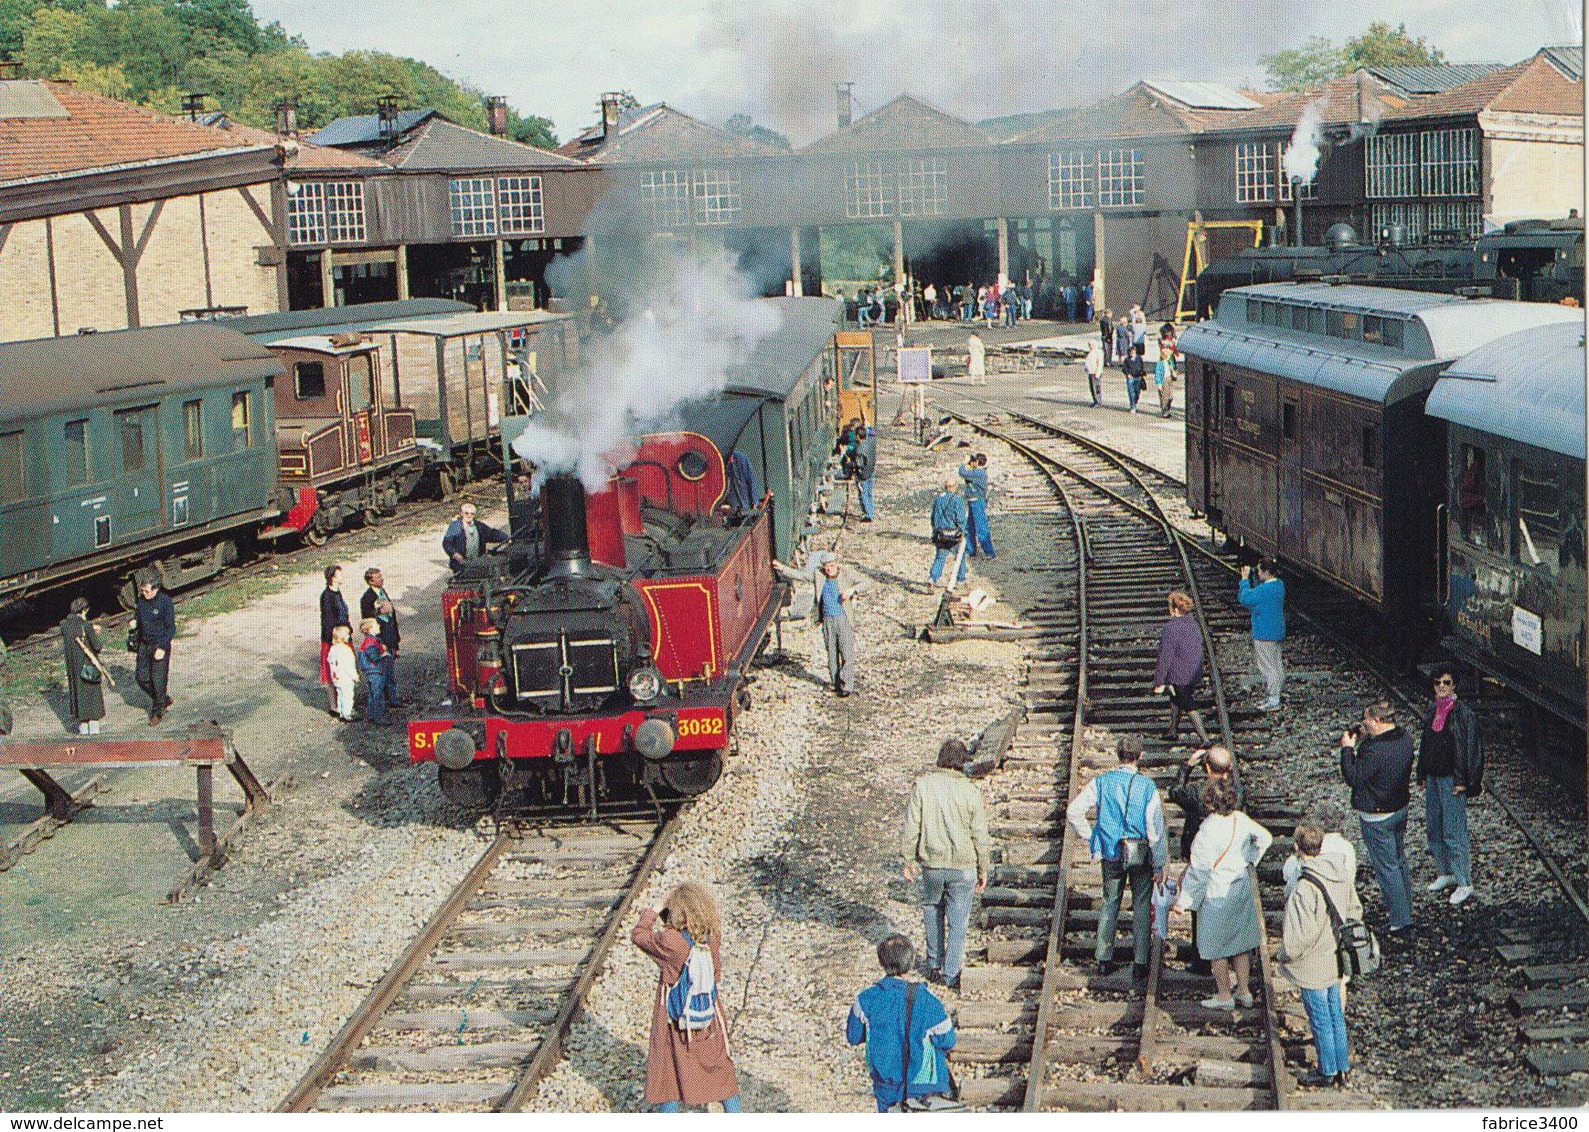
[1318, 61]
[857, 253]
[741, 124]
[153, 51]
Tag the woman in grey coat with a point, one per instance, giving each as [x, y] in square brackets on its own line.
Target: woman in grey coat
[84, 696]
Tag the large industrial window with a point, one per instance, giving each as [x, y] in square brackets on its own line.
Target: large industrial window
[309, 380]
[1255, 173]
[1391, 169]
[1310, 190]
[321, 212]
[1411, 217]
[1536, 536]
[1120, 179]
[12, 486]
[519, 206]
[1472, 501]
[473, 204]
[192, 430]
[865, 195]
[1450, 162]
[716, 196]
[667, 193]
[344, 211]
[131, 426]
[242, 416]
[923, 188]
[1069, 181]
[79, 459]
[1462, 218]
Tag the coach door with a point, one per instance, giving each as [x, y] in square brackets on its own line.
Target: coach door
[367, 441]
[138, 498]
[1288, 495]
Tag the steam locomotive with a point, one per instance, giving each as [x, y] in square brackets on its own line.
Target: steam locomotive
[605, 650]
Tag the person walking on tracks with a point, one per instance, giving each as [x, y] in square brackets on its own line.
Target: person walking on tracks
[907, 1032]
[1308, 954]
[1265, 599]
[1092, 365]
[156, 621]
[1451, 770]
[1377, 762]
[85, 697]
[1135, 382]
[945, 842]
[1218, 887]
[974, 474]
[838, 633]
[333, 612]
[687, 1059]
[1180, 667]
[976, 359]
[948, 531]
[1128, 838]
[1218, 765]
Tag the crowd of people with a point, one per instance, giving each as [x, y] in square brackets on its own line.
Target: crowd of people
[1000, 303]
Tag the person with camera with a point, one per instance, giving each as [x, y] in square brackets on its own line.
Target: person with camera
[1265, 599]
[85, 698]
[865, 463]
[949, 516]
[1376, 762]
[1128, 838]
[1308, 952]
[154, 626]
[1451, 770]
[974, 476]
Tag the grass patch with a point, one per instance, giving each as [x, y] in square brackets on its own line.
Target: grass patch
[232, 596]
[19, 679]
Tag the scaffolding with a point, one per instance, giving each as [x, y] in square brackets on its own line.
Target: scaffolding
[1196, 257]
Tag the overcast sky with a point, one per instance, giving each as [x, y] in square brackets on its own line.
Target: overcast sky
[778, 60]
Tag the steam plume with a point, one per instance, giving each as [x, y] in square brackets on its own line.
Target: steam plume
[1302, 154]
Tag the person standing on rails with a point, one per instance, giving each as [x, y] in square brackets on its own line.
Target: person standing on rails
[333, 612]
[1092, 365]
[865, 460]
[1180, 667]
[1219, 766]
[1451, 770]
[1376, 762]
[467, 538]
[85, 697]
[1266, 601]
[974, 475]
[833, 605]
[1308, 956]
[945, 843]
[687, 1058]
[948, 531]
[376, 603]
[156, 621]
[906, 1031]
[1128, 838]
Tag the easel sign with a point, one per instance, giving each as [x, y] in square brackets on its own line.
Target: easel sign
[915, 365]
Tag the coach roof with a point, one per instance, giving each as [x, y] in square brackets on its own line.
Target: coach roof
[778, 360]
[1527, 386]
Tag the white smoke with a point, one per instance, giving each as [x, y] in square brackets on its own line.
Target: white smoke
[695, 321]
[1369, 126]
[1302, 154]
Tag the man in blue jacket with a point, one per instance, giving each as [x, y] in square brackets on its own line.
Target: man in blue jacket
[467, 538]
[905, 1061]
[865, 468]
[948, 530]
[1266, 601]
[975, 475]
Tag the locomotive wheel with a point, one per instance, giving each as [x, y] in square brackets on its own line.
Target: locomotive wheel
[127, 594]
[371, 517]
[313, 536]
[694, 775]
[445, 483]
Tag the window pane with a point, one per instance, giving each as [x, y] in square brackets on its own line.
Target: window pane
[1069, 180]
[474, 206]
[1255, 173]
[1472, 501]
[667, 193]
[192, 430]
[242, 432]
[865, 194]
[1120, 180]
[79, 461]
[360, 383]
[923, 188]
[1536, 541]
[716, 196]
[11, 478]
[306, 214]
[519, 205]
[309, 380]
[131, 428]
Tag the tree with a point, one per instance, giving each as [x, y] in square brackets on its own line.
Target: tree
[1303, 68]
[531, 130]
[742, 125]
[1382, 46]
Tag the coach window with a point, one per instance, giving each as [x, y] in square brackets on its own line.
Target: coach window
[1373, 329]
[1472, 513]
[79, 460]
[192, 430]
[1536, 537]
[309, 380]
[1393, 333]
[11, 479]
[242, 432]
[1288, 420]
[1228, 408]
[1334, 323]
[1370, 447]
[361, 383]
[132, 454]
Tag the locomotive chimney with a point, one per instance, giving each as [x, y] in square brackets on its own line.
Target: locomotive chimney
[567, 543]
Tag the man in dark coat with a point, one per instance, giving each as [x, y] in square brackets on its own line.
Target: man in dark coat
[1376, 762]
[156, 619]
[1451, 770]
[374, 603]
[467, 538]
[865, 468]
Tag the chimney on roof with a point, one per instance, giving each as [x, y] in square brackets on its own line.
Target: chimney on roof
[841, 92]
[497, 116]
[386, 116]
[286, 120]
[610, 102]
[193, 104]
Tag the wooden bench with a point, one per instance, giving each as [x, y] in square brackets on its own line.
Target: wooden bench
[205, 747]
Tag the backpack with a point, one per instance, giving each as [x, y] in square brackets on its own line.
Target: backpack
[1356, 949]
[692, 1000]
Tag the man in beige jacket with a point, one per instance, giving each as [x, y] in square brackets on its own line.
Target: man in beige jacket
[1307, 952]
[945, 843]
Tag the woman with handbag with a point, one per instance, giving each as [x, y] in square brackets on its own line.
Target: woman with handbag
[1217, 886]
[85, 698]
[1309, 954]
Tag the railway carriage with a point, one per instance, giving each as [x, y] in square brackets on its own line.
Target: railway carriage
[604, 653]
[133, 445]
[1513, 515]
[1306, 436]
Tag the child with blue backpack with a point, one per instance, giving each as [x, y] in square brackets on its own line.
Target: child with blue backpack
[687, 1062]
[906, 1031]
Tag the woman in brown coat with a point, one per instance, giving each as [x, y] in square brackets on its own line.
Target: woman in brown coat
[685, 1067]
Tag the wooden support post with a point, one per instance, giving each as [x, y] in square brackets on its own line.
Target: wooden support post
[206, 811]
[499, 274]
[795, 272]
[328, 280]
[402, 271]
[57, 802]
[899, 250]
[1100, 298]
[1004, 249]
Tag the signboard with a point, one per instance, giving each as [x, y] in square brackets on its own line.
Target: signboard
[1527, 631]
[915, 365]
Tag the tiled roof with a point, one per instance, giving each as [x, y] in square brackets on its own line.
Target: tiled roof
[660, 133]
[440, 144]
[98, 133]
[906, 123]
[365, 129]
[1431, 78]
[1137, 112]
[1532, 86]
[1342, 101]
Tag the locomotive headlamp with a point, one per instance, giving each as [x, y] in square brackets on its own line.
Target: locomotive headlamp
[645, 685]
[455, 749]
[654, 739]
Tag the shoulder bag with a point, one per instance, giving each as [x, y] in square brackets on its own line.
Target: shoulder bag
[1356, 949]
[1133, 851]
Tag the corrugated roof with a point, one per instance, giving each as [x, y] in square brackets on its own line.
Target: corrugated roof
[1567, 60]
[1431, 78]
[1532, 86]
[1527, 386]
[1202, 95]
[365, 129]
[780, 358]
[442, 145]
[906, 123]
[122, 367]
[266, 327]
[464, 322]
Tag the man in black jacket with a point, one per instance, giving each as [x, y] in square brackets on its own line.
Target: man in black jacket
[1451, 770]
[156, 619]
[1376, 762]
[376, 603]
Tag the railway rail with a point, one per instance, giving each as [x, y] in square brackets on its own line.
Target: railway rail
[474, 1013]
[1039, 1048]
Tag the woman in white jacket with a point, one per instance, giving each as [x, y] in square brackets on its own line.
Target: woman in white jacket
[1217, 887]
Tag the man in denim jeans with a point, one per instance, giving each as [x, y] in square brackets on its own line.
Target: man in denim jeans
[945, 843]
[1376, 762]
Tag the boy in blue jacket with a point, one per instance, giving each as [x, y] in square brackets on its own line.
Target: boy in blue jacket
[903, 1065]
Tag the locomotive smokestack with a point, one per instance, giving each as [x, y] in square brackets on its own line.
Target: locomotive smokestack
[567, 542]
[1296, 198]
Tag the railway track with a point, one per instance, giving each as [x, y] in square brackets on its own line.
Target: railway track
[1042, 1030]
[473, 1014]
